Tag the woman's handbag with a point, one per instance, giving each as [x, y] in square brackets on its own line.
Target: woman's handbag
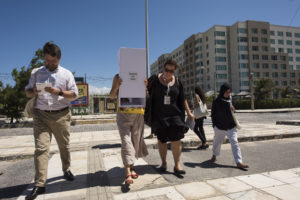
[236, 121]
[29, 107]
[201, 110]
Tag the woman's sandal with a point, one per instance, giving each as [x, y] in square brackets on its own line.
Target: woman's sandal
[128, 181]
[135, 175]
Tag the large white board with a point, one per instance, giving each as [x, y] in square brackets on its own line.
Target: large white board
[132, 71]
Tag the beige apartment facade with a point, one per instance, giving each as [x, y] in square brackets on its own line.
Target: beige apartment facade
[234, 53]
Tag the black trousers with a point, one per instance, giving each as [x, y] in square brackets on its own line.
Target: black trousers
[198, 129]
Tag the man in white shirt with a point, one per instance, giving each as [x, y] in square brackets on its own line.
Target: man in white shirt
[51, 114]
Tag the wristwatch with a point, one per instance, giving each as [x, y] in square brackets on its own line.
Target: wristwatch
[60, 92]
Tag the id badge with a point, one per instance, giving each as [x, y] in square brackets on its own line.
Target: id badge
[167, 100]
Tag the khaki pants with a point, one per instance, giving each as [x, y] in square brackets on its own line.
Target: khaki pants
[44, 124]
[131, 129]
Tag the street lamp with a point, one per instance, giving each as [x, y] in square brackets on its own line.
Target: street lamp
[251, 90]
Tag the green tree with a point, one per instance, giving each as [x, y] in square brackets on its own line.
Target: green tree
[13, 99]
[287, 92]
[264, 88]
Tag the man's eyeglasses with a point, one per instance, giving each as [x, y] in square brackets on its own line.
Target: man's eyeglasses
[170, 71]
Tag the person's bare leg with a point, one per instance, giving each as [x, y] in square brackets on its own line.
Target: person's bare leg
[213, 158]
[176, 150]
[162, 148]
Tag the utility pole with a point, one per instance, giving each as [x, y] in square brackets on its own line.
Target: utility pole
[251, 90]
[147, 48]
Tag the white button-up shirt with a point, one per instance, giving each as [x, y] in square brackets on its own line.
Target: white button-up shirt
[60, 78]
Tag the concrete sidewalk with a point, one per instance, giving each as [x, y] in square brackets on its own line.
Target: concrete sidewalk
[97, 164]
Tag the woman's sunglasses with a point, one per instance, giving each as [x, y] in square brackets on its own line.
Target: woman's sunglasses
[170, 71]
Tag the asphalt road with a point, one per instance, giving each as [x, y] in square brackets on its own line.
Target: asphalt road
[261, 156]
[260, 118]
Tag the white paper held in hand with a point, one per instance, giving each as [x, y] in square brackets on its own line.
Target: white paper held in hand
[41, 87]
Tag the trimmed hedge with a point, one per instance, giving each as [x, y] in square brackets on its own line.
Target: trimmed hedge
[267, 103]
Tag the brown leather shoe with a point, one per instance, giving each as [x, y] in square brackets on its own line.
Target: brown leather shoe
[242, 166]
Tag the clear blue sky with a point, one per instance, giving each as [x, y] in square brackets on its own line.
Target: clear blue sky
[90, 32]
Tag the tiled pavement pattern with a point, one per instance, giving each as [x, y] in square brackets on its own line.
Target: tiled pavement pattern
[98, 168]
[99, 176]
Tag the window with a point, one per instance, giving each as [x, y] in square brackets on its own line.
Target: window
[288, 34]
[297, 35]
[220, 59]
[199, 40]
[272, 41]
[256, 65]
[291, 59]
[289, 42]
[264, 48]
[206, 38]
[273, 57]
[243, 74]
[280, 42]
[297, 59]
[298, 67]
[243, 65]
[283, 74]
[255, 74]
[284, 83]
[274, 66]
[255, 57]
[220, 50]
[264, 31]
[274, 74]
[297, 43]
[264, 40]
[222, 42]
[221, 76]
[221, 67]
[265, 74]
[265, 66]
[243, 57]
[243, 48]
[297, 51]
[272, 33]
[281, 50]
[282, 58]
[279, 33]
[207, 55]
[282, 66]
[242, 39]
[244, 83]
[292, 75]
[254, 48]
[264, 57]
[254, 39]
[289, 50]
[254, 30]
[242, 30]
[219, 33]
[272, 49]
[291, 67]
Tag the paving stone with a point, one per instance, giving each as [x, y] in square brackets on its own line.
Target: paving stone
[229, 185]
[285, 192]
[284, 176]
[259, 181]
[196, 190]
[251, 194]
[217, 198]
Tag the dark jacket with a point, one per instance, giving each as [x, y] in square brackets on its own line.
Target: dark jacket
[221, 112]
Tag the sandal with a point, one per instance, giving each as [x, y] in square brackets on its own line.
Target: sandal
[128, 181]
[135, 175]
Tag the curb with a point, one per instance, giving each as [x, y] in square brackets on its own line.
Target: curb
[295, 123]
[190, 143]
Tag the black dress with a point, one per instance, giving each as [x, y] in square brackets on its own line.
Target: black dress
[168, 119]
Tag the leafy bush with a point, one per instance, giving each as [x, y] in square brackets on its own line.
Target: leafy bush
[267, 103]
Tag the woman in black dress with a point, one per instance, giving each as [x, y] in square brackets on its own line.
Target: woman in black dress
[168, 113]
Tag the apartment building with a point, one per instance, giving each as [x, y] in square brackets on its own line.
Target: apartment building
[232, 53]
